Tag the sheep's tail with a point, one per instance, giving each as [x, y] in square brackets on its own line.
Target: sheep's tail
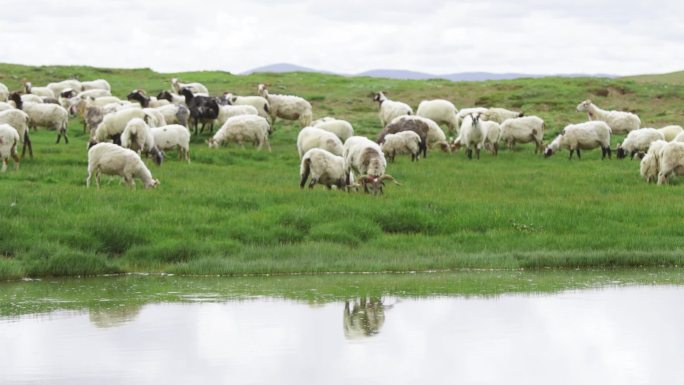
[305, 171]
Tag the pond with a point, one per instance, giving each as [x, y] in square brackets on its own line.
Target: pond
[567, 327]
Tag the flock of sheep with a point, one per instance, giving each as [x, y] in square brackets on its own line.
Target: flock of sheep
[330, 153]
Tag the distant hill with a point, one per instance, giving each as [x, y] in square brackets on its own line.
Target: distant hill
[671, 78]
[414, 75]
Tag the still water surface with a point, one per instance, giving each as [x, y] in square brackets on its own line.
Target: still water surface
[131, 331]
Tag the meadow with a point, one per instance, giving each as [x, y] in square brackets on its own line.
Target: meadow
[235, 211]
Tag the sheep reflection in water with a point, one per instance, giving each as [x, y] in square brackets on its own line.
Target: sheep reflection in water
[363, 317]
[113, 316]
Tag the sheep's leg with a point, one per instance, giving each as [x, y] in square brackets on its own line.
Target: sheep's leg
[97, 178]
[662, 177]
[66, 138]
[27, 140]
[313, 182]
[59, 136]
[608, 150]
[90, 175]
[15, 157]
[4, 165]
[578, 154]
[571, 151]
[187, 154]
[496, 149]
[130, 182]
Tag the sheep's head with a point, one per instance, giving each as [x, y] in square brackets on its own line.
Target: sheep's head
[553, 147]
[376, 183]
[444, 146]
[157, 155]
[212, 143]
[153, 183]
[584, 106]
[621, 153]
[68, 93]
[378, 97]
[262, 89]
[16, 98]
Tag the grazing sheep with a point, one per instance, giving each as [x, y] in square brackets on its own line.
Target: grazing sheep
[671, 161]
[584, 136]
[195, 88]
[258, 102]
[313, 137]
[19, 120]
[146, 101]
[99, 84]
[523, 130]
[492, 131]
[9, 139]
[30, 98]
[472, 135]
[138, 137]
[173, 135]
[110, 159]
[175, 114]
[91, 114]
[40, 91]
[58, 87]
[288, 107]
[113, 124]
[155, 117]
[229, 111]
[4, 93]
[50, 116]
[418, 126]
[439, 111]
[435, 135]
[648, 168]
[671, 132]
[404, 142]
[638, 141]
[105, 100]
[342, 128]
[620, 122]
[203, 109]
[499, 115]
[171, 97]
[324, 167]
[243, 128]
[389, 109]
[365, 159]
[93, 93]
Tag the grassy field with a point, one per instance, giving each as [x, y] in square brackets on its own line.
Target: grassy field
[234, 211]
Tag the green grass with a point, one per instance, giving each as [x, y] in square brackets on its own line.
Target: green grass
[234, 211]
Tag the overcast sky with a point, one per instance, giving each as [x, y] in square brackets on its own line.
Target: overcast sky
[350, 36]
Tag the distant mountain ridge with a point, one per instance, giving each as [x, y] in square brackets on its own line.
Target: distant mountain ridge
[415, 75]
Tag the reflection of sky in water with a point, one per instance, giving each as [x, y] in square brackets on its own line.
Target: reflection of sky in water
[612, 336]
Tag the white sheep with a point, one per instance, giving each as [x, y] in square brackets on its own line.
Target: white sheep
[583, 136]
[472, 134]
[99, 84]
[104, 100]
[50, 116]
[58, 87]
[4, 93]
[390, 109]
[155, 117]
[113, 124]
[6, 106]
[671, 132]
[30, 98]
[40, 91]
[196, 88]
[313, 137]
[364, 158]
[435, 135]
[110, 159]
[258, 102]
[9, 139]
[460, 115]
[342, 128]
[228, 111]
[174, 114]
[288, 107]
[492, 132]
[523, 130]
[439, 111]
[93, 93]
[499, 115]
[170, 136]
[324, 167]
[404, 142]
[19, 120]
[671, 161]
[242, 128]
[638, 141]
[648, 167]
[137, 136]
[620, 122]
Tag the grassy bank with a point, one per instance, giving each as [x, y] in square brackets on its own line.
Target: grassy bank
[234, 211]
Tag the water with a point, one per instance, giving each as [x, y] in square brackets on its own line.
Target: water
[574, 328]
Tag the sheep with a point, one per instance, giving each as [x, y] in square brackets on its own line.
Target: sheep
[92, 115]
[40, 91]
[229, 111]
[173, 135]
[499, 115]
[146, 101]
[202, 108]
[110, 159]
[389, 109]
[638, 141]
[671, 132]
[671, 161]
[288, 107]
[9, 139]
[174, 114]
[648, 167]
[19, 120]
[113, 124]
[4, 93]
[138, 137]
[524, 130]
[324, 167]
[435, 136]
[418, 126]
[492, 132]
[155, 117]
[5, 106]
[313, 137]
[472, 135]
[258, 102]
[99, 84]
[342, 128]
[365, 159]
[584, 136]
[439, 111]
[104, 100]
[58, 87]
[30, 98]
[93, 93]
[171, 97]
[404, 142]
[240, 128]
[465, 112]
[195, 88]
[620, 122]
[50, 116]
